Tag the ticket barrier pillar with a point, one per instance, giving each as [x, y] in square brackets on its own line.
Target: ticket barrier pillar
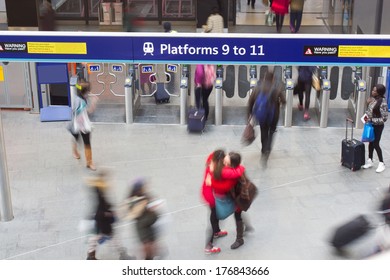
[289, 103]
[6, 213]
[361, 102]
[253, 76]
[218, 96]
[129, 96]
[183, 94]
[324, 103]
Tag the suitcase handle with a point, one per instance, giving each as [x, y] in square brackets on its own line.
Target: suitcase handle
[348, 120]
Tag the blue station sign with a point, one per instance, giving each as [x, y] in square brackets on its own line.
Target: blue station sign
[193, 48]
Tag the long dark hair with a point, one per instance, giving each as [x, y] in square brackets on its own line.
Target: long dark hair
[381, 90]
[218, 157]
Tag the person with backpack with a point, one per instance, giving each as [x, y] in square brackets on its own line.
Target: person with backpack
[205, 76]
[264, 104]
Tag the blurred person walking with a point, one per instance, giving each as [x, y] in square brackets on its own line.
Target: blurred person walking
[280, 8]
[47, 16]
[82, 105]
[168, 27]
[143, 209]
[252, 3]
[377, 114]
[214, 22]
[205, 76]
[264, 103]
[296, 12]
[104, 217]
[304, 84]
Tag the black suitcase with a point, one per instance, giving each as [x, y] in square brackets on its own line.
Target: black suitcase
[161, 95]
[196, 120]
[350, 231]
[352, 151]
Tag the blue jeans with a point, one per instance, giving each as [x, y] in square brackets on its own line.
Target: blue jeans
[295, 20]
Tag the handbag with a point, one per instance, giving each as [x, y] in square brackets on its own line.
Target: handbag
[224, 206]
[315, 82]
[368, 132]
[248, 136]
[244, 193]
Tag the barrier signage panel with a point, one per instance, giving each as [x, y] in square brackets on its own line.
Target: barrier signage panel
[196, 48]
[261, 50]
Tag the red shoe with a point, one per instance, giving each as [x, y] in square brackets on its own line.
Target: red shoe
[306, 116]
[221, 233]
[300, 107]
[212, 250]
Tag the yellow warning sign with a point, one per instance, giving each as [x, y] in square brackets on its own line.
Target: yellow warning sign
[364, 51]
[56, 48]
[1, 74]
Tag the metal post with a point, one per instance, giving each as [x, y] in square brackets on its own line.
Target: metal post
[183, 100]
[129, 100]
[324, 108]
[361, 103]
[6, 213]
[218, 106]
[289, 103]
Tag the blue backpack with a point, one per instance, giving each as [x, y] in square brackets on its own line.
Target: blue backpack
[263, 109]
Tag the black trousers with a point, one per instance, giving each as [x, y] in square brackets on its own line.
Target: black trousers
[374, 145]
[214, 225]
[85, 136]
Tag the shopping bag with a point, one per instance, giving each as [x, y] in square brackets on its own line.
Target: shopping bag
[368, 133]
[224, 206]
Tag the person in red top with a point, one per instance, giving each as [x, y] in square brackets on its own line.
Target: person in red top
[280, 8]
[219, 179]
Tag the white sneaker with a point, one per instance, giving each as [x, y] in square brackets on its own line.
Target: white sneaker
[381, 167]
[369, 163]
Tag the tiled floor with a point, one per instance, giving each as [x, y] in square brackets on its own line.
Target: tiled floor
[304, 191]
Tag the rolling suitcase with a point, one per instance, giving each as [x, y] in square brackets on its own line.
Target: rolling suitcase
[350, 231]
[196, 120]
[352, 151]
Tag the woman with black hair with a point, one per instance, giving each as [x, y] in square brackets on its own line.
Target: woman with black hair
[377, 113]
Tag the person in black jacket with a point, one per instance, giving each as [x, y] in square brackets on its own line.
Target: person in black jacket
[304, 84]
[104, 217]
[272, 90]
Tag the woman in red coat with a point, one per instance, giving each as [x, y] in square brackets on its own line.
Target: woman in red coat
[227, 178]
[280, 8]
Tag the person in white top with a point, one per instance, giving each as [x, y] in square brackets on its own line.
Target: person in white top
[214, 22]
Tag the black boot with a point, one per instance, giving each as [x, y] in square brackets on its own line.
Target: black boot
[91, 256]
[240, 232]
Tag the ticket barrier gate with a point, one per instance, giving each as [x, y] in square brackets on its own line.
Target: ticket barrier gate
[289, 102]
[322, 102]
[357, 104]
[160, 78]
[131, 100]
[183, 94]
[218, 95]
